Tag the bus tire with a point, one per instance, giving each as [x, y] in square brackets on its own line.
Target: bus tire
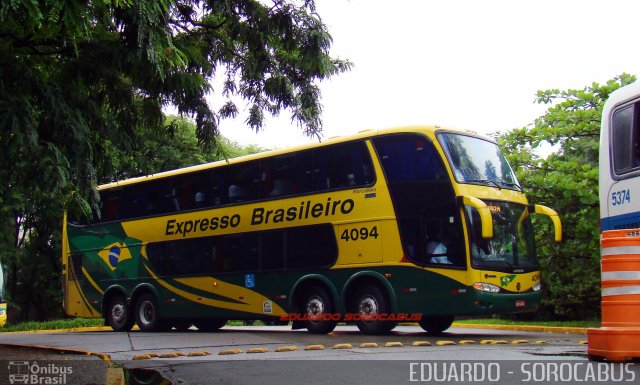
[119, 314]
[436, 324]
[371, 300]
[147, 315]
[210, 325]
[317, 300]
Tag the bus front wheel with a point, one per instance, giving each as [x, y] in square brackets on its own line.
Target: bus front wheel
[119, 314]
[318, 309]
[436, 324]
[147, 316]
[371, 303]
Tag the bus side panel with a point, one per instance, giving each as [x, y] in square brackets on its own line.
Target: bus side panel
[622, 205]
[77, 302]
[74, 300]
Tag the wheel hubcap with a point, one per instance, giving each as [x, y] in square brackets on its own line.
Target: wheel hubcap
[118, 313]
[368, 305]
[147, 312]
[315, 306]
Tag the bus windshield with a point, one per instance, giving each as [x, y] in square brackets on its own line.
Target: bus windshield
[512, 248]
[478, 161]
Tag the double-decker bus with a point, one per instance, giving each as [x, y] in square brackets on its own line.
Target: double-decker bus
[414, 223]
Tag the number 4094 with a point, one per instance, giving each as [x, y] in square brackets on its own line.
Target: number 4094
[359, 233]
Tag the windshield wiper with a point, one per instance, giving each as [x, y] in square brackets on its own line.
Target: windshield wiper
[517, 186]
[485, 181]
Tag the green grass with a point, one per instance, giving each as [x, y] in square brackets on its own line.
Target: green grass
[565, 324]
[53, 325]
[72, 323]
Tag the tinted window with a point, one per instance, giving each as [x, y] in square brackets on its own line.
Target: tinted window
[148, 198]
[311, 246]
[343, 165]
[184, 257]
[304, 247]
[191, 191]
[409, 157]
[240, 182]
[113, 204]
[284, 175]
[272, 249]
[625, 138]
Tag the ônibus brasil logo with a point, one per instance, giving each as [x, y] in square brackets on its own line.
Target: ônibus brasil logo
[25, 372]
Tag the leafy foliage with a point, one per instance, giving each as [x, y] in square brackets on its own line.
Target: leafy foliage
[566, 180]
[82, 89]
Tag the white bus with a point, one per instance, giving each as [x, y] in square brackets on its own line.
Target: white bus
[620, 160]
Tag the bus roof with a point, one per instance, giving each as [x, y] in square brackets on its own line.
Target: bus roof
[364, 134]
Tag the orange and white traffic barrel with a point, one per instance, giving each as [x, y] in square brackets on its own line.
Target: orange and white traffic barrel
[618, 338]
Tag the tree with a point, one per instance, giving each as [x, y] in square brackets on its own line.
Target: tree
[84, 83]
[566, 180]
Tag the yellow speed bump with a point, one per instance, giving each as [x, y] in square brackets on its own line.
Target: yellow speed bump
[141, 357]
[393, 345]
[541, 342]
[367, 345]
[229, 352]
[153, 355]
[518, 342]
[258, 350]
[198, 354]
[314, 347]
[445, 343]
[421, 343]
[342, 346]
[487, 342]
[467, 342]
[500, 342]
[168, 355]
[583, 342]
[290, 348]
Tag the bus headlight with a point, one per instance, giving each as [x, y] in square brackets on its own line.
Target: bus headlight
[486, 287]
[537, 286]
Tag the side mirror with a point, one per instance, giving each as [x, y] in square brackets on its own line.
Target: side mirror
[486, 220]
[551, 213]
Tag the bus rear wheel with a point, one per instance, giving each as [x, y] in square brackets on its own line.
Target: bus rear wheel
[119, 314]
[436, 324]
[317, 303]
[210, 325]
[370, 303]
[147, 315]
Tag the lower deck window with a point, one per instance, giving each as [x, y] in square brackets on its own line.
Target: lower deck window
[294, 248]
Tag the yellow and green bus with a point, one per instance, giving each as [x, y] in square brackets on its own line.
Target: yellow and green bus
[406, 224]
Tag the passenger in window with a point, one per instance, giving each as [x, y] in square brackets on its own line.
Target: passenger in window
[281, 187]
[438, 253]
[237, 193]
[200, 199]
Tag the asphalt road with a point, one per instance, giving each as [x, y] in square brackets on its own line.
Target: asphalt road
[265, 355]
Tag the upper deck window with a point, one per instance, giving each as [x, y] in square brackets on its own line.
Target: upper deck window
[409, 158]
[477, 161]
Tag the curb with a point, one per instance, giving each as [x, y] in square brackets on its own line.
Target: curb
[102, 356]
[524, 328]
